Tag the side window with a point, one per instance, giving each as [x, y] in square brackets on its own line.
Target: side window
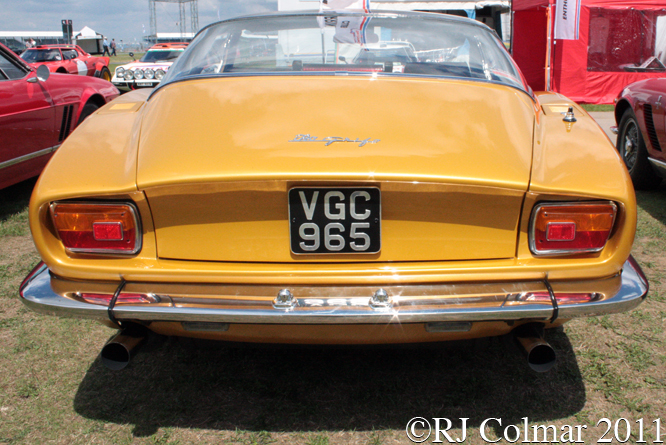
[9, 70]
[69, 54]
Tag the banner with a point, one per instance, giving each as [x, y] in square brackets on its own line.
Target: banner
[567, 19]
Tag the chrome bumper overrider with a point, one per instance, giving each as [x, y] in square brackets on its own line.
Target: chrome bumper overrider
[339, 305]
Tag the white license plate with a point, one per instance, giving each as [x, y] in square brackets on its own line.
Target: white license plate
[325, 220]
[144, 84]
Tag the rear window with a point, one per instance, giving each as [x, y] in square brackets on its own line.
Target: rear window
[393, 44]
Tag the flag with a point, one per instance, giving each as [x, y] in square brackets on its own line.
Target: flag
[567, 19]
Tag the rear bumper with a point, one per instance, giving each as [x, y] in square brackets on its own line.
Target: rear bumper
[469, 302]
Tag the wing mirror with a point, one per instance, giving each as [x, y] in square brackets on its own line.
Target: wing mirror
[131, 54]
[43, 74]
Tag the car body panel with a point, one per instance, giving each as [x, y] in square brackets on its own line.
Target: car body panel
[73, 60]
[36, 116]
[57, 183]
[443, 152]
[636, 96]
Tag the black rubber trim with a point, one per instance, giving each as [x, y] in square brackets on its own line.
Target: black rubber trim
[112, 303]
[553, 301]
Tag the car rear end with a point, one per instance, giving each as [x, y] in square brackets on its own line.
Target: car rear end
[335, 206]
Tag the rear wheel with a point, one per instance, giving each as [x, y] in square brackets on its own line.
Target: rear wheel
[88, 109]
[105, 74]
[634, 153]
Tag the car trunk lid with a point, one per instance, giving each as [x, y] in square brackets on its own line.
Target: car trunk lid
[451, 159]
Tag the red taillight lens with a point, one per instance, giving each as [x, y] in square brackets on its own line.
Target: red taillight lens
[558, 229]
[561, 297]
[97, 228]
[123, 298]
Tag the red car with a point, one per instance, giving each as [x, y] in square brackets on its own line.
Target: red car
[641, 139]
[37, 112]
[67, 59]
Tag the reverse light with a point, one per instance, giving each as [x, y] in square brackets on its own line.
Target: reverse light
[97, 228]
[571, 228]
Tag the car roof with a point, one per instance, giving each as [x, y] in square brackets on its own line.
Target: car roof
[174, 45]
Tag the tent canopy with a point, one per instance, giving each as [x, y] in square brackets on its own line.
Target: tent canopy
[619, 42]
[87, 33]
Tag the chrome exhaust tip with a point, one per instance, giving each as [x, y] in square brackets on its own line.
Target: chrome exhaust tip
[119, 350]
[540, 355]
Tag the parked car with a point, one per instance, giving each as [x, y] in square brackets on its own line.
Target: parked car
[68, 59]
[38, 111]
[262, 194]
[150, 69]
[639, 113]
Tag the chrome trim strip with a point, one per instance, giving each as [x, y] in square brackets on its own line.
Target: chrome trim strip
[37, 294]
[659, 165]
[29, 156]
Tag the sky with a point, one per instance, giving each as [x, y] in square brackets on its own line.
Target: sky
[119, 19]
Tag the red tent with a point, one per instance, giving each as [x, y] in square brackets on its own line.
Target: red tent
[619, 42]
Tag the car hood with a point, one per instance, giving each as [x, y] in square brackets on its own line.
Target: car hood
[429, 130]
[158, 65]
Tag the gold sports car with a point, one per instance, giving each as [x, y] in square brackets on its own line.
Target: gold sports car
[336, 178]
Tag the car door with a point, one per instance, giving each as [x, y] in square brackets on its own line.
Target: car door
[76, 65]
[27, 122]
[659, 118]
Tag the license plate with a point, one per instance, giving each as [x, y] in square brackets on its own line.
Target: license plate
[335, 220]
[144, 84]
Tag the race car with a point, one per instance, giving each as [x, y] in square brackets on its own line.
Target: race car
[67, 59]
[148, 71]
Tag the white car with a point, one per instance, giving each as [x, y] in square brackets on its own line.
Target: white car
[148, 71]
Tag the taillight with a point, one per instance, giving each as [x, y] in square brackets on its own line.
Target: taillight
[123, 298]
[570, 228]
[97, 228]
[561, 297]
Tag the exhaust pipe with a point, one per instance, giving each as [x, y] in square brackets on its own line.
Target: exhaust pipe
[118, 351]
[540, 355]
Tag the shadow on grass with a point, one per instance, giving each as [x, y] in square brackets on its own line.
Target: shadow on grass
[15, 199]
[653, 202]
[328, 389]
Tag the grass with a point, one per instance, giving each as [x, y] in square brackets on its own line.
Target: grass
[53, 388]
[121, 59]
[593, 107]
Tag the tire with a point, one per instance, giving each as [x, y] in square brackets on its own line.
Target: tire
[88, 109]
[105, 74]
[631, 146]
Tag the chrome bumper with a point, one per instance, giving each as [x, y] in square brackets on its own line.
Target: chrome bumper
[340, 305]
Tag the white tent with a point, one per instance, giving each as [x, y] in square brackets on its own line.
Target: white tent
[89, 40]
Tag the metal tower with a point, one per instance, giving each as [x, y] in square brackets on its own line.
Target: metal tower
[194, 16]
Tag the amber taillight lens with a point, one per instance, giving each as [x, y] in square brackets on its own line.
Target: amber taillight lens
[571, 228]
[97, 228]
